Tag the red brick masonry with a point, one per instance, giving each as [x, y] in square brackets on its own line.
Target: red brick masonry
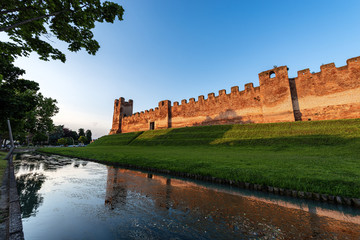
[332, 93]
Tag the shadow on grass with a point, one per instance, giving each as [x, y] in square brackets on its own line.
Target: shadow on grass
[203, 135]
[207, 136]
[116, 139]
[280, 135]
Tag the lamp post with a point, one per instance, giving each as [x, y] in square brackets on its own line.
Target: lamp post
[11, 141]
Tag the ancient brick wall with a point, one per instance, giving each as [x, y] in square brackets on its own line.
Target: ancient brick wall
[333, 93]
[235, 107]
[160, 117]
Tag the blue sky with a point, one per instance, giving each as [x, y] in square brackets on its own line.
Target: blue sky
[178, 49]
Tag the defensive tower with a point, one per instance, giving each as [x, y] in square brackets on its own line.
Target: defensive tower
[121, 110]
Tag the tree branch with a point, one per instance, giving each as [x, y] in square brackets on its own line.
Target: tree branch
[4, 29]
[2, 12]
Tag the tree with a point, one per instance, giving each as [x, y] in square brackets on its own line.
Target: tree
[45, 110]
[70, 141]
[28, 110]
[81, 132]
[62, 141]
[18, 100]
[88, 135]
[39, 138]
[73, 135]
[66, 132]
[18, 96]
[39, 122]
[82, 139]
[61, 132]
[28, 23]
[56, 134]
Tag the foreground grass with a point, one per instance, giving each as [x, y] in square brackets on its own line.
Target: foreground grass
[318, 157]
[3, 164]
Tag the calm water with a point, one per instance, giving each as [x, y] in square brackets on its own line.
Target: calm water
[65, 198]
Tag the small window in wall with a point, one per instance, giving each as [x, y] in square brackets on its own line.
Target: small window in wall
[272, 74]
[152, 125]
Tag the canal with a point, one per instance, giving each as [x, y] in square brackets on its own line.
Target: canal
[64, 198]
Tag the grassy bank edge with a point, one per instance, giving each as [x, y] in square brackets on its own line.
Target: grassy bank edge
[317, 156]
[216, 177]
[3, 165]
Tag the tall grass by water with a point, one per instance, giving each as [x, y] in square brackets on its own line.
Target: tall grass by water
[3, 164]
[317, 156]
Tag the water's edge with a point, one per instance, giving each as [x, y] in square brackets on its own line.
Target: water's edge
[336, 200]
[12, 227]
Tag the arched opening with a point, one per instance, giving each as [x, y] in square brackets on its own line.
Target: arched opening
[272, 74]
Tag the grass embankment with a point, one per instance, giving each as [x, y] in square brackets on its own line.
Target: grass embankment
[321, 156]
[3, 165]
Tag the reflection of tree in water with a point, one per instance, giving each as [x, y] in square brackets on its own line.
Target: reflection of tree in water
[28, 165]
[28, 186]
[80, 163]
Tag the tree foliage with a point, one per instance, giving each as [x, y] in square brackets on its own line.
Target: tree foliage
[17, 96]
[88, 135]
[82, 139]
[39, 138]
[28, 110]
[56, 134]
[71, 136]
[31, 24]
[62, 141]
[40, 120]
[81, 132]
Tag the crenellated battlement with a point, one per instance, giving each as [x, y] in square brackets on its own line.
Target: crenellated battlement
[249, 87]
[329, 68]
[277, 98]
[305, 72]
[353, 61]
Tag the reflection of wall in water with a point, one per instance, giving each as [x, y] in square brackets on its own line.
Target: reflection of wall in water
[189, 197]
[115, 188]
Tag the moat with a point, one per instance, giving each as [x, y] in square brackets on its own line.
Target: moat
[64, 198]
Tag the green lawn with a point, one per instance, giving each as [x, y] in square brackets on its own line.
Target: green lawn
[321, 156]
